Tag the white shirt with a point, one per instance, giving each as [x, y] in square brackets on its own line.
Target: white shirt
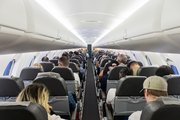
[77, 82]
[111, 96]
[135, 115]
[54, 117]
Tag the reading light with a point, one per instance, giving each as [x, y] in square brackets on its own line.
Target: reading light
[53, 9]
[123, 15]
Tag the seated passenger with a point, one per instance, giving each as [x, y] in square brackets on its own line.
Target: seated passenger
[134, 66]
[37, 93]
[81, 71]
[56, 57]
[153, 87]
[111, 93]
[121, 58]
[64, 62]
[45, 59]
[104, 79]
[164, 70]
[38, 65]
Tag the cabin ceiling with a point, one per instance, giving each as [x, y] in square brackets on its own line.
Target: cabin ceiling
[90, 19]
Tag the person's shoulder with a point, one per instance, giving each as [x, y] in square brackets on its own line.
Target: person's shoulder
[135, 115]
[55, 117]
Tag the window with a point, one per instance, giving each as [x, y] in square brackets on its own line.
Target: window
[9, 68]
[32, 61]
[148, 60]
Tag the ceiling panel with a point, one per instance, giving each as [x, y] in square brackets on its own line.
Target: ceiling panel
[91, 18]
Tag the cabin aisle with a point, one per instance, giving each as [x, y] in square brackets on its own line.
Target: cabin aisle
[90, 109]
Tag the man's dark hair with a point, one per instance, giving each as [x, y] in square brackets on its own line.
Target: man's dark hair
[125, 71]
[45, 59]
[64, 61]
[164, 70]
[76, 53]
[70, 52]
[56, 57]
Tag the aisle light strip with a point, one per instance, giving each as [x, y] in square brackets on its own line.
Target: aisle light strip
[53, 10]
[124, 15]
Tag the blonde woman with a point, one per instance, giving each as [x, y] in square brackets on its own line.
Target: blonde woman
[37, 93]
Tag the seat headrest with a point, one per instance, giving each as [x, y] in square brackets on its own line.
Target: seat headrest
[55, 84]
[140, 63]
[147, 71]
[114, 72]
[107, 65]
[130, 86]
[164, 108]
[65, 73]
[74, 60]
[47, 66]
[55, 61]
[173, 84]
[73, 67]
[22, 111]
[104, 61]
[30, 73]
[10, 86]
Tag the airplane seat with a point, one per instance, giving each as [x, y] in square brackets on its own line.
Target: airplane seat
[28, 74]
[103, 62]
[22, 111]
[58, 92]
[68, 76]
[54, 61]
[113, 77]
[140, 63]
[173, 85]
[47, 66]
[114, 57]
[74, 61]
[73, 67]
[147, 71]
[164, 108]
[106, 67]
[128, 97]
[10, 87]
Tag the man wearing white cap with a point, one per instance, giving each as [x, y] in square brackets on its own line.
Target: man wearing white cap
[153, 87]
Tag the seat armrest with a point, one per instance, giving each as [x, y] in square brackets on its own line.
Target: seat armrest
[103, 95]
[74, 113]
[79, 95]
[108, 113]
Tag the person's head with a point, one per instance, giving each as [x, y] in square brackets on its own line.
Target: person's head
[154, 87]
[77, 64]
[125, 71]
[164, 70]
[122, 58]
[38, 65]
[133, 64]
[37, 93]
[56, 57]
[45, 59]
[76, 53]
[71, 52]
[63, 61]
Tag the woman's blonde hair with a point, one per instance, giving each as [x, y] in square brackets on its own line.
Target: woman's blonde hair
[37, 93]
[38, 65]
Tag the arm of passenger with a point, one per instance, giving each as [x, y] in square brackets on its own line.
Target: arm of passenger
[72, 103]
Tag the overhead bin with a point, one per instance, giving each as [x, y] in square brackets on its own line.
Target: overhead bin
[170, 22]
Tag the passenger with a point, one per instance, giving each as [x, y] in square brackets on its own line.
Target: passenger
[104, 79]
[64, 62]
[111, 93]
[122, 59]
[38, 65]
[81, 71]
[37, 93]
[70, 54]
[164, 70]
[65, 54]
[45, 59]
[134, 66]
[153, 87]
[56, 57]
